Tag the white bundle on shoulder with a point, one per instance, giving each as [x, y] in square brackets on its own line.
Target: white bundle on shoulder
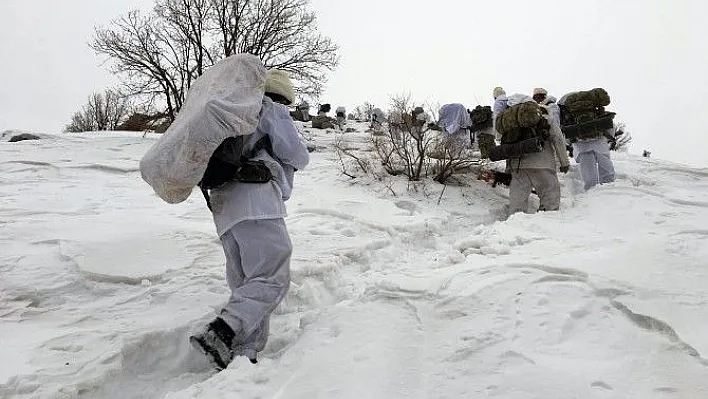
[519, 98]
[454, 117]
[224, 102]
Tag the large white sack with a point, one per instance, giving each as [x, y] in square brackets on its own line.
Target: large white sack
[454, 117]
[224, 102]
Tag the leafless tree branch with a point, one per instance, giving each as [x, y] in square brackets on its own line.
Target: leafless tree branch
[161, 53]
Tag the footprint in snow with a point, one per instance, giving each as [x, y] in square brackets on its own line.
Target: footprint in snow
[409, 206]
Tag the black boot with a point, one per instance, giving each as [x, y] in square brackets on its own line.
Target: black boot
[216, 342]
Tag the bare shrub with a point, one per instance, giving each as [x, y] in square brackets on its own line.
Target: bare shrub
[353, 164]
[411, 146]
[622, 138]
[102, 111]
[363, 112]
[408, 140]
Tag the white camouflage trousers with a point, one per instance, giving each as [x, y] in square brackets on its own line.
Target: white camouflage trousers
[258, 273]
[523, 181]
[595, 167]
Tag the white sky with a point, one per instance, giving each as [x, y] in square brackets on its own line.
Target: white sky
[651, 55]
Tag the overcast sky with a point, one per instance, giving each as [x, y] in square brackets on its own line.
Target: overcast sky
[651, 56]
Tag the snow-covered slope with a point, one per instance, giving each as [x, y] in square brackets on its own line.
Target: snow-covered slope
[391, 296]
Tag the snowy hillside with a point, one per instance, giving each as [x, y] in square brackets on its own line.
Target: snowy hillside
[391, 296]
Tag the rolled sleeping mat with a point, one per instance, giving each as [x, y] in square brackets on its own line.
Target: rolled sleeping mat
[589, 129]
[516, 150]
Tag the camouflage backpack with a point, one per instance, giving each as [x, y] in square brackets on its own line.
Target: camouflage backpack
[322, 122]
[521, 122]
[417, 117]
[481, 117]
[583, 114]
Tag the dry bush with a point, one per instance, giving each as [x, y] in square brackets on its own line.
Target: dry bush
[411, 147]
[407, 143]
[363, 112]
[102, 111]
[622, 138]
[354, 163]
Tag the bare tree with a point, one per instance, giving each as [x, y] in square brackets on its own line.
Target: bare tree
[151, 61]
[283, 33]
[160, 54]
[102, 111]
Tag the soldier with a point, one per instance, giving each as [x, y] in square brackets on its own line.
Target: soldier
[539, 171]
[418, 120]
[302, 112]
[322, 121]
[455, 122]
[377, 120]
[592, 153]
[500, 104]
[249, 218]
[341, 115]
[540, 95]
[482, 125]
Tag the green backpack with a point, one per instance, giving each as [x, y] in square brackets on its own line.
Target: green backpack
[521, 122]
[481, 117]
[322, 122]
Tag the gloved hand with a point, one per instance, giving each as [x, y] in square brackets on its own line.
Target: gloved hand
[564, 169]
[613, 144]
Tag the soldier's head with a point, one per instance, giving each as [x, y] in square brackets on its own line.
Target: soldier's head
[279, 88]
[498, 91]
[540, 94]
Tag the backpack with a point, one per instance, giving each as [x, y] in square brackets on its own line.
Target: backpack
[418, 117]
[521, 122]
[481, 117]
[583, 114]
[228, 163]
[322, 122]
[302, 112]
[524, 130]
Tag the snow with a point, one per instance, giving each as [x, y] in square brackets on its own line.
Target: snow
[412, 295]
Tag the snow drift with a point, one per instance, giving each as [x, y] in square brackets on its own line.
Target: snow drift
[391, 296]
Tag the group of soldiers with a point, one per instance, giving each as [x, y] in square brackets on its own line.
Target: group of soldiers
[528, 168]
[580, 126]
[321, 120]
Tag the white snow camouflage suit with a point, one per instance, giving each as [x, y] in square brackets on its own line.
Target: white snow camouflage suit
[249, 219]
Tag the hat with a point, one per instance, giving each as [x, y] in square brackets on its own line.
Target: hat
[278, 82]
[498, 91]
[539, 90]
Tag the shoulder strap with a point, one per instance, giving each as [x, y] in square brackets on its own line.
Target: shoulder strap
[229, 152]
[263, 143]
